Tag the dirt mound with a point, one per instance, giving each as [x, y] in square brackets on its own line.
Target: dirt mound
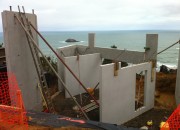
[165, 91]
[165, 82]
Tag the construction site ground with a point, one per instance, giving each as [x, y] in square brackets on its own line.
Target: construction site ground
[164, 103]
[164, 106]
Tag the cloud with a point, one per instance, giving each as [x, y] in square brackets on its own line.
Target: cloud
[101, 14]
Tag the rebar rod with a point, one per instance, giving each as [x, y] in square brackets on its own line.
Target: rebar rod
[168, 47]
[155, 54]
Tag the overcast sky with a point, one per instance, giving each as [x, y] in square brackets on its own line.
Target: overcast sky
[65, 15]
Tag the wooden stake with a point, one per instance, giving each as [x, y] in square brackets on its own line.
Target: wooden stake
[116, 68]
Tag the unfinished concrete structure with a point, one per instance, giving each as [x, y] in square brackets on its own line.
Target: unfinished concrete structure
[19, 59]
[117, 93]
[85, 62]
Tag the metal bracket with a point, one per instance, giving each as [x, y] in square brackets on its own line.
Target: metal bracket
[146, 48]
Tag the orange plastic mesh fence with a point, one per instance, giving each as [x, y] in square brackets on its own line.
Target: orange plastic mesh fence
[173, 122]
[12, 112]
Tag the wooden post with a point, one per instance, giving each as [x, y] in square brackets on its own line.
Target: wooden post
[91, 40]
[116, 68]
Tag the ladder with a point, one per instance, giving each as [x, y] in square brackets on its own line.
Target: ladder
[90, 107]
[38, 64]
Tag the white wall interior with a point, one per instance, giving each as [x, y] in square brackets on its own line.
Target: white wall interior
[117, 93]
[87, 69]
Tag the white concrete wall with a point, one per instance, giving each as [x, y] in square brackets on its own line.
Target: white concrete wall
[19, 59]
[111, 53]
[117, 94]
[87, 69]
[64, 52]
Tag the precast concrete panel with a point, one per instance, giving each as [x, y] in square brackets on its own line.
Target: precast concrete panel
[117, 93]
[86, 68]
[19, 59]
[65, 51]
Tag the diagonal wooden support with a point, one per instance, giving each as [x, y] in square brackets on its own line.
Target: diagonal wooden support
[35, 45]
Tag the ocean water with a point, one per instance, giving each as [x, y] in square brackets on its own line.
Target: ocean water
[129, 40]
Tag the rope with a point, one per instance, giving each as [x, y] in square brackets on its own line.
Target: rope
[168, 47]
[163, 50]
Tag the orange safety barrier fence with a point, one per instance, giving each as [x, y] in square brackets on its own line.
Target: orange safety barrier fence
[12, 111]
[173, 122]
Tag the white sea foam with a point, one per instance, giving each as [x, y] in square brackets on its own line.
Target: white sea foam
[82, 41]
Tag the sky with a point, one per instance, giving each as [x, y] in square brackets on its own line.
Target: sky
[81, 15]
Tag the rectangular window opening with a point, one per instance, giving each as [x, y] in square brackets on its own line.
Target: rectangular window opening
[139, 91]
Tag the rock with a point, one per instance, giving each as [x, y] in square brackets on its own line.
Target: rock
[71, 40]
[164, 69]
[144, 128]
[173, 71]
[124, 64]
[75, 108]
